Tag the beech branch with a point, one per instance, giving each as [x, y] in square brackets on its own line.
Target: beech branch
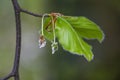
[17, 10]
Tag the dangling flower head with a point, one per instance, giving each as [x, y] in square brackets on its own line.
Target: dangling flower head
[42, 41]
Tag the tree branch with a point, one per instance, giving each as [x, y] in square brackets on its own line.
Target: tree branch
[15, 71]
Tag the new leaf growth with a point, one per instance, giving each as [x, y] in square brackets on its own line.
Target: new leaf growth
[70, 32]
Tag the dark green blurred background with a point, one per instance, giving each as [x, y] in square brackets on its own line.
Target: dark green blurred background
[40, 64]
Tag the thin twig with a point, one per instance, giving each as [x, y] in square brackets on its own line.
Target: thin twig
[31, 13]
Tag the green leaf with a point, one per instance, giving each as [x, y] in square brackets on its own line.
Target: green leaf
[70, 40]
[85, 27]
[48, 33]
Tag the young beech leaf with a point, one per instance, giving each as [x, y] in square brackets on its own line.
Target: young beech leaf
[70, 40]
[47, 28]
[85, 27]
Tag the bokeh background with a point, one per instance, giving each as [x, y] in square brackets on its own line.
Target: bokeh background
[40, 64]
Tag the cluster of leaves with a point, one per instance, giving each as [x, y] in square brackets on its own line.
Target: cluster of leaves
[70, 32]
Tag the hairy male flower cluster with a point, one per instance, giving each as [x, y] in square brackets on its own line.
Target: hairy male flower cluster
[42, 41]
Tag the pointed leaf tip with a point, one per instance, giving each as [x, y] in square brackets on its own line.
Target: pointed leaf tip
[85, 28]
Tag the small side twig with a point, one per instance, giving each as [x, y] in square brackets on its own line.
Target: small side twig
[15, 71]
[31, 13]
